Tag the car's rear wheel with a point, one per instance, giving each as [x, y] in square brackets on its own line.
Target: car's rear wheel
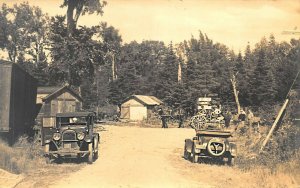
[48, 160]
[186, 154]
[195, 156]
[90, 156]
[231, 161]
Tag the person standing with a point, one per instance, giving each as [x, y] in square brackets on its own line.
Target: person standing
[227, 118]
[242, 119]
[180, 117]
[163, 118]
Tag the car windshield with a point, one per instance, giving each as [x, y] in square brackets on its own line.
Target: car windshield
[72, 120]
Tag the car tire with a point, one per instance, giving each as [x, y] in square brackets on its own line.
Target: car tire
[195, 156]
[96, 148]
[96, 155]
[48, 158]
[186, 154]
[231, 161]
[91, 152]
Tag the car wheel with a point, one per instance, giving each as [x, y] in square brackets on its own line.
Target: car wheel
[186, 154]
[90, 156]
[48, 160]
[231, 161]
[96, 148]
[48, 157]
[195, 156]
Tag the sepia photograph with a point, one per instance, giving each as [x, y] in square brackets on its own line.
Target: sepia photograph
[149, 94]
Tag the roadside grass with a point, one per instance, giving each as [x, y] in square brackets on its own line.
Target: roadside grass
[278, 165]
[22, 157]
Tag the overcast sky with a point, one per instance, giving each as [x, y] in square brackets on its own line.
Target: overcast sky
[232, 22]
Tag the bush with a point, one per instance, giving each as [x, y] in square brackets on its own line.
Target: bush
[280, 157]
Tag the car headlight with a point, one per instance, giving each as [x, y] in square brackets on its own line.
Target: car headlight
[80, 136]
[56, 136]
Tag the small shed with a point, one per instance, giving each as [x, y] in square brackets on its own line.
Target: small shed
[55, 100]
[138, 107]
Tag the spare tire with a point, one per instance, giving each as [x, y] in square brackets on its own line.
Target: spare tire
[216, 147]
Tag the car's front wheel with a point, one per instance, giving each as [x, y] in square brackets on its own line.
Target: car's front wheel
[90, 156]
[96, 148]
[48, 158]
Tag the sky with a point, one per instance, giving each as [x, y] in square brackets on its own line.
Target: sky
[231, 22]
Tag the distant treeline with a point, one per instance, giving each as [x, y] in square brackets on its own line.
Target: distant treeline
[108, 71]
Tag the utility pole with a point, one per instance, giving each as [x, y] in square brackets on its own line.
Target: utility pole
[281, 113]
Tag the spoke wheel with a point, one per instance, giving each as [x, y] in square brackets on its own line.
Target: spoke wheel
[198, 121]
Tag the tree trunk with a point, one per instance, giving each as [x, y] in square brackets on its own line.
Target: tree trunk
[113, 67]
[236, 94]
[179, 72]
[70, 19]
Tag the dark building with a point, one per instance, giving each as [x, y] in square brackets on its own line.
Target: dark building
[18, 90]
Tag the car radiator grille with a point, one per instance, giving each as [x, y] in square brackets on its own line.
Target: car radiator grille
[69, 136]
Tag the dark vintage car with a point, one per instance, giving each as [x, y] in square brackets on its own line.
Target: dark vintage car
[72, 137]
[216, 144]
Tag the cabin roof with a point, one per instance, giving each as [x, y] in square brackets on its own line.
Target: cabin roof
[145, 99]
[53, 92]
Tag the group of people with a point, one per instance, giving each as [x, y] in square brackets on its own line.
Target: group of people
[179, 116]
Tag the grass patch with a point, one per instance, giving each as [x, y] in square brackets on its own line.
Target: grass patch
[22, 157]
[278, 165]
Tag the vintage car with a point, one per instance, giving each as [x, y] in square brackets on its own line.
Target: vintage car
[212, 140]
[72, 137]
[216, 144]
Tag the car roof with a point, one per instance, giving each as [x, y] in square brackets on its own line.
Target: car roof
[75, 114]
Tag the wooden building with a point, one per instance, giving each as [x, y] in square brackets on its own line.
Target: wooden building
[138, 107]
[56, 100]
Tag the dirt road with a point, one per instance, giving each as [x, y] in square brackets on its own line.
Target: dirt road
[134, 157]
[149, 157]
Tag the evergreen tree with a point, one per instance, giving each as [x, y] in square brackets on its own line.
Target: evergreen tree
[262, 83]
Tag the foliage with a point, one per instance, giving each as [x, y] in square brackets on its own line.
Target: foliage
[90, 56]
[23, 36]
[81, 7]
[73, 58]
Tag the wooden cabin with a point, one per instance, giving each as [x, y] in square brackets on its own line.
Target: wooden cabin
[55, 100]
[138, 107]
